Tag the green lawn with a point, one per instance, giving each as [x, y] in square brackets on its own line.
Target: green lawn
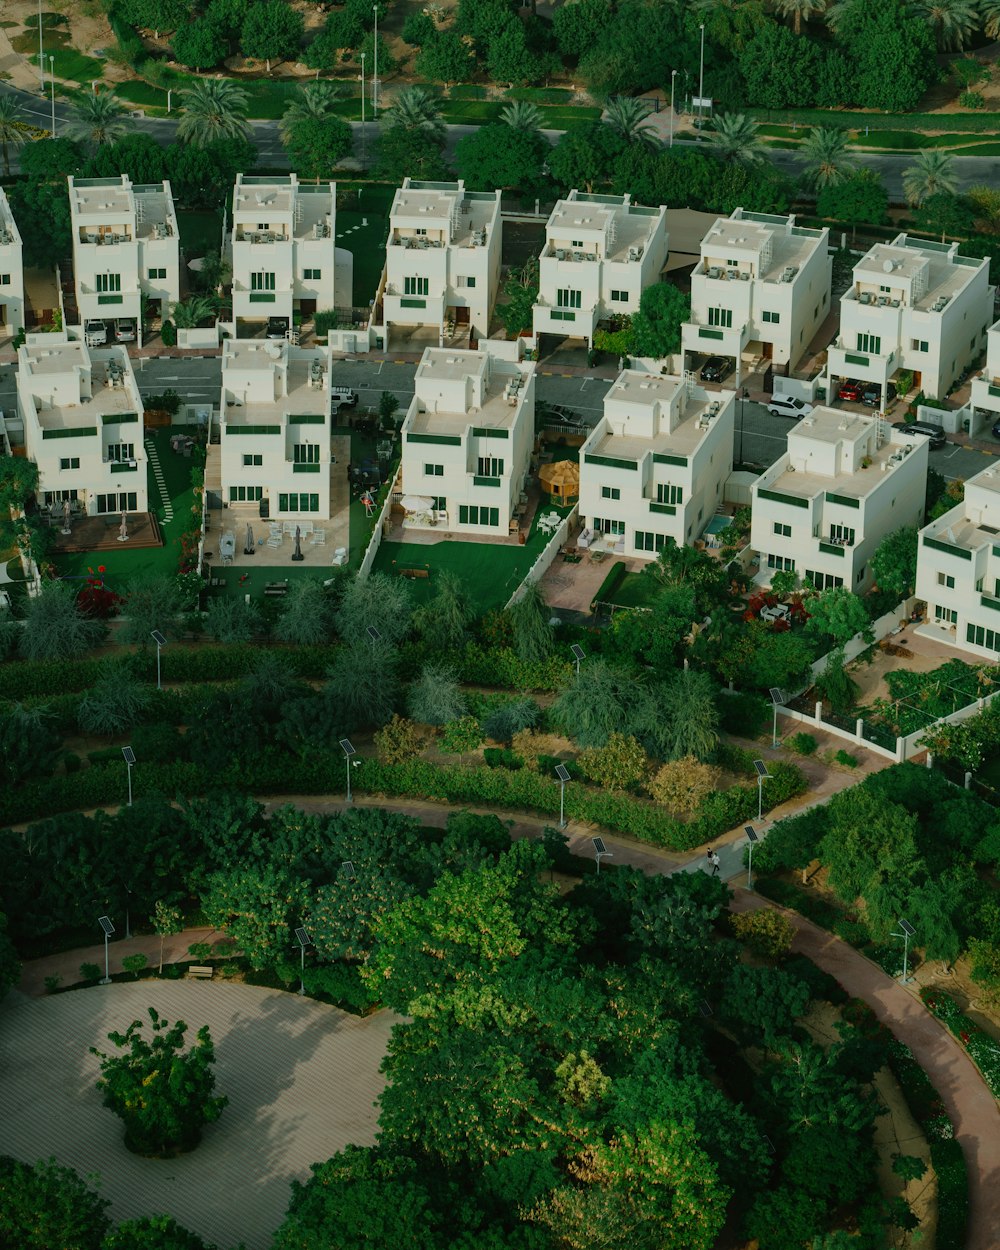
[637, 590]
[125, 564]
[69, 63]
[366, 242]
[201, 232]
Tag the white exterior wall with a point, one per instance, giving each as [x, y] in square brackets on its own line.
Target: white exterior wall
[275, 397]
[837, 510]
[464, 409]
[930, 295]
[280, 230]
[606, 249]
[121, 232]
[11, 271]
[74, 410]
[958, 568]
[656, 432]
[442, 254]
[788, 276]
[986, 387]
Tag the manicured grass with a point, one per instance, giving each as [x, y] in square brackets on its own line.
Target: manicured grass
[251, 581]
[481, 112]
[366, 242]
[69, 63]
[968, 122]
[637, 590]
[541, 95]
[201, 232]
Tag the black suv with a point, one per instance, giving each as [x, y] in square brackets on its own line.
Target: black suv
[277, 328]
[872, 394]
[715, 369]
[925, 429]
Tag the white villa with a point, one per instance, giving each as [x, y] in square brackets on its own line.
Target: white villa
[846, 480]
[467, 440]
[914, 305]
[655, 465]
[83, 424]
[442, 262]
[759, 292]
[126, 249]
[283, 253]
[984, 402]
[958, 568]
[11, 272]
[600, 253]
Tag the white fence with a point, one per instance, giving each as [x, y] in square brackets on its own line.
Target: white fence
[376, 539]
[881, 629]
[545, 557]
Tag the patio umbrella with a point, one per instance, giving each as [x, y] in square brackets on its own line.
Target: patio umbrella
[417, 503]
[561, 480]
[250, 548]
[297, 553]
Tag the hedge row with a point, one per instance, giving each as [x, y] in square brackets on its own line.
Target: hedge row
[500, 666]
[104, 784]
[982, 1049]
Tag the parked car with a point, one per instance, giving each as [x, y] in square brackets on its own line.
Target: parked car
[342, 397]
[788, 406]
[872, 395]
[850, 391]
[558, 414]
[924, 429]
[715, 369]
[277, 328]
[775, 612]
[95, 333]
[996, 429]
[125, 330]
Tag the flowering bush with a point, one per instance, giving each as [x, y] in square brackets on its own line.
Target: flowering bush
[96, 600]
[982, 1049]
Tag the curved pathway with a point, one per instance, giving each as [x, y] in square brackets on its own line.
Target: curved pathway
[972, 1108]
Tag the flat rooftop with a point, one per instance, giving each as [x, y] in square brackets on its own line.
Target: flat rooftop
[156, 211]
[268, 201]
[97, 197]
[106, 400]
[945, 275]
[642, 390]
[496, 411]
[790, 247]
[629, 225]
[831, 426]
[959, 528]
[433, 205]
[303, 397]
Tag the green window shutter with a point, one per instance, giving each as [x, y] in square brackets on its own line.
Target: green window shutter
[413, 303]
[832, 549]
[481, 431]
[853, 359]
[667, 508]
[307, 418]
[486, 481]
[282, 503]
[118, 467]
[775, 496]
[120, 418]
[80, 431]
[705, 333]
[937, 545]
[988, 602]
[306, 468]
[660, 457]
[610, 462]
[444, 440]
[845, 500]
[262, 297]
[253, 429]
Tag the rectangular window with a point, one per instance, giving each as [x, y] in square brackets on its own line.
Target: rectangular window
[245, 494]
[980, 636]
[489, 466]
[666, 493]
[298, 501]
[870, 343]
[781, 562]
[312, 275]
[118, 501]
[118, 452]
[945, 614]
[439, 503]
[434, 470]
[646, 541]
[609, 527]
[722, 317]
[4, 279]
[305, 453]
[843, 535]
[471, 514]
[416, 286]
[619, 297]
[467, 282]
[782, 530]
[254, 458]
[919, 345]
[69, 462]
[946, 580]
[565, 298]
[610, 492]
[772, 317]
[108, 282]
[262, 282]
[156, 274]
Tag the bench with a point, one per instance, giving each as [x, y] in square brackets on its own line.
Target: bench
[276, 588]
[412, 573]
[200, 972]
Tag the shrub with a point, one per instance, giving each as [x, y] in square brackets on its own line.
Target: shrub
[52, 984]
[972, 100]
[500, 757]
[683, 785]
[845, 758]
[158, 742]
[535, 747]
[71, 762]
[435, 697]
[134, 964]
[766, 932]
[168, 334]
[744, 714]
[503, 722]
[618, 765]
[802, 744]
[462, 735]
[399, 740]
[90, 972]
[500, 666]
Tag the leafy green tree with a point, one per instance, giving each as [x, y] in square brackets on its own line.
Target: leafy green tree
[363, 683]
[51, 160]
[954, 22]
[655, 637]
[894, 562]
[826, 156]
[203, 175]
[156, 15]
[618, 765]
[13, 129]
[734, 139]
[656, 327]
[636, 51]
[55, 628]
[151, 603]
[600, 701]
[380, 601]
[892, 52]
[529, 619]
[835, 684]
[689, 718]
[860, 198]
[153, 1232]
[945, 214]
[418, 29]
[435, 697]
[257, 905]
[869, 840]
[45, 1205]
[316, 138]
[839, 613]
[167, 921]
[586, 156]
[29, 742]
[496, 156]
[442, 622]
[510, 59]
[138, 155]
[520, 293]
[444, 58]
[306, 614]
[932, 173]
[762, 1004]
[415, 153]
[272, 31]
[577, 27]
[114, 703]
[232, 620]
[99, 118]
[163, 1097]
[41, 209]
[10, 974]
[777, 659]
[199, 44]
[214, 109]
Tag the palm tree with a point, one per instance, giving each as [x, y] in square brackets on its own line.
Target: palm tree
[195, 309]
[798, 10]
[933, 173]
[99, 119]
[214, 108]
[315, 103]
[954, 22]
[990, 16]
[628, 116]
[842, 9]
[827, 161]
[414, 108]
[12, 128]
[735, 139]
[522, 115]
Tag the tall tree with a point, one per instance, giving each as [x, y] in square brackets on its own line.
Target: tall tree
[522, 115]
[13, 128]
[689, 715]
[628, 117]
[799, 10]
[894, 562]
[862, 198]
[529, 618]
[317, 139]
[442, 622]
[214, 109]
[200, 44]
[414, 108]
[99, 118]
[734, 138]
[55, 628]
[826, 158]
[954, 22]
[272, 31]
[656, 327]
[496, 156]
[932, 173]
[445, 58]
[45, 1205]
[600, 700]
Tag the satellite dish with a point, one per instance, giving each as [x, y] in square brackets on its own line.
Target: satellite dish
[274, 351]
[887, 266]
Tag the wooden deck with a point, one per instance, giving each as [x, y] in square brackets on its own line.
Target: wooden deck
[100, 533]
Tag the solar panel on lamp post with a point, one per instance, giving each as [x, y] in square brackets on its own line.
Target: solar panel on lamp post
[347, 868]
[304, 940]
[762, 776]
[109, 928]
[160, 641]
[373, 635]
[908, 932]
[578, 654]
[600, 852]
[348, 748]
[562, 772]
[751, 833]
[128, 755]
[777, 699]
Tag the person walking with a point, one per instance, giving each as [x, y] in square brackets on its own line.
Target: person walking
[713, 856]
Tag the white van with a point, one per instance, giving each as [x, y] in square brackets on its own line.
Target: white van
[342, 397]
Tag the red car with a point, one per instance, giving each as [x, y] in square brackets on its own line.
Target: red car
[850, 391]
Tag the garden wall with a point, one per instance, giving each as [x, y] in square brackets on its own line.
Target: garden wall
[912, 741]
[545, 557]
[881, 629]
[375, 541]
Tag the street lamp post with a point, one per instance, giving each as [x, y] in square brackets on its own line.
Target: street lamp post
[108, 928]
[752, 837]
[578, 655]
[762, 776]
[600, 852]
[374, 636]
[562, 772]
[52, 84]
[701, 78]
[673, 84]
[348, 748]
[304, 940]
[777, 700]
[375, 70]
[160, 641]
[41, 53]
[170, 92]
[908, 932]
[128, 755]
[364, 151]
[744, 396]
